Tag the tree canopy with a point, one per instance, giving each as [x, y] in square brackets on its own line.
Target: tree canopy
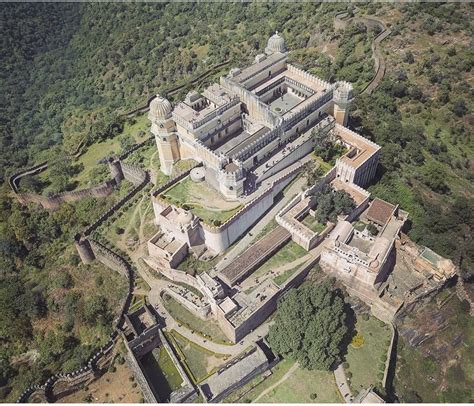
[330, 203]
[310, 326]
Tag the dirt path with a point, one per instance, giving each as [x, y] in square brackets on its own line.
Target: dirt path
[290, 372]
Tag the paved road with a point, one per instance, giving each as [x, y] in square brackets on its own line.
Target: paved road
[342, 384]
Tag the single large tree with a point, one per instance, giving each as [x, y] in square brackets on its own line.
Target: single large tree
[310, 325]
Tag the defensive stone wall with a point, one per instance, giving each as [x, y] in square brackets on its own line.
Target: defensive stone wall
[132, 362]
[136, 147]
[221, 237]
[61, 384]
[181, 277]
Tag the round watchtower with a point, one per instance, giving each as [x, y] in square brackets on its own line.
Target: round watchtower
[115, 169]
[164, 129]
[84, 249]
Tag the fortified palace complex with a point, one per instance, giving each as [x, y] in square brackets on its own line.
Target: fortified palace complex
[242, 144]
[248, 138]
[234, 202]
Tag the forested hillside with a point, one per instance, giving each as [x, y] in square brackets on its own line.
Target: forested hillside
[67, 72]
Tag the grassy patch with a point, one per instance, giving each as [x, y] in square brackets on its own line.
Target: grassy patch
[359, 225]
[161, 371]
[200, 361]
[207, 329]
[202, 200]
[297, 388]
[284, 276]
[305, 386]
[325, 166]
[367, 354]
[194, 266]
[288, 253]
[313, 224]
[139, 130]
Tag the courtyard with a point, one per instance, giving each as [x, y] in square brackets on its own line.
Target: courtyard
[207, 329]
[198, 361]
[284, 103]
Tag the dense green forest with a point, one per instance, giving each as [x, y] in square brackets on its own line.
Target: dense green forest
[67, 72]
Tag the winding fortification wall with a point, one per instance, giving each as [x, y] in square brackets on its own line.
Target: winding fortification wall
[61, 384]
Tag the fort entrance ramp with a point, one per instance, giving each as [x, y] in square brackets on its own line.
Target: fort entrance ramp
[254, 256]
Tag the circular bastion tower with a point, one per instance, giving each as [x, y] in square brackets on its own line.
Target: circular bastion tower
[164, 130]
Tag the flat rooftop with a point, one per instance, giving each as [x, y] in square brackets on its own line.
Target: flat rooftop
[255, 68]
[357, 195]
[380, 211]
[253, 301]
[227, 376]
[361, 149]
[167, 244]
[253, 256]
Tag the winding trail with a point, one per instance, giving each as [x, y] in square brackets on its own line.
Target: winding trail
[290, 372]
[377, 56]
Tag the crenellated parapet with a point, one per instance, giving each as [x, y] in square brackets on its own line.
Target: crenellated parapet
[309, 77]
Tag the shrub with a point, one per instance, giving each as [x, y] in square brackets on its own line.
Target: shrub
[349, 374]
[313, 396]
[380, 375]
[357, 340]
[365, 317]
[345, 365]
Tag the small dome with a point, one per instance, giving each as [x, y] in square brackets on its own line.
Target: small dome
[160, 108]
[276, 43]
[374, 264]
[184, 218]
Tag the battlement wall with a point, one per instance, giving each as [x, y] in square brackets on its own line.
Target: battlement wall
[221, 237]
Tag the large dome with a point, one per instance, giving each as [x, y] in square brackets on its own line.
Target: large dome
[276, 43]
[160, 108]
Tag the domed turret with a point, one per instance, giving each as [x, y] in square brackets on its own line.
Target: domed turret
[160, 108]
[184, 218]
[276, 43]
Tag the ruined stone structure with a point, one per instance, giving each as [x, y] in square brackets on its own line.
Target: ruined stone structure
[141, 336]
